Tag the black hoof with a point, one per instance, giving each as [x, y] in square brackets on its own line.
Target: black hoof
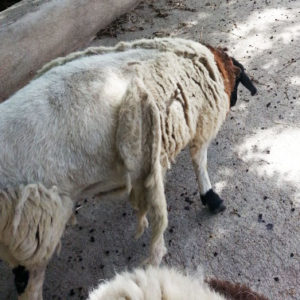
[214, 203]
[21, 278]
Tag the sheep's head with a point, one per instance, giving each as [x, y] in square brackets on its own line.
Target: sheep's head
[244, 79]
[233, 73]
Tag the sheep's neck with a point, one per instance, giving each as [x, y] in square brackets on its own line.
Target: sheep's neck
[226, 68]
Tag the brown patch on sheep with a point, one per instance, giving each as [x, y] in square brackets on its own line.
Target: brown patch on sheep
[234, 291]
[227, 69]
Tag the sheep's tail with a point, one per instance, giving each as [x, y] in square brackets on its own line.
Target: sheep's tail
[154, 183]
[129, 133]
[139, 145]
[32, 221]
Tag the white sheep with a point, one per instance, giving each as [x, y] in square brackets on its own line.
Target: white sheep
[166, 283]
[115, 118]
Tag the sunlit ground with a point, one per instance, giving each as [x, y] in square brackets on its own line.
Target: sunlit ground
[268, 38]
[274, 152]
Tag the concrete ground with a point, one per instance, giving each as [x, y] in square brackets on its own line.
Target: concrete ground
[254, 164]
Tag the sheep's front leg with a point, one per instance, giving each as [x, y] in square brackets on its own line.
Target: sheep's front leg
[29, 282]
[208, 196]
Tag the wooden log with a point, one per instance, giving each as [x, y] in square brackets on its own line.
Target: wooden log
[34, 32]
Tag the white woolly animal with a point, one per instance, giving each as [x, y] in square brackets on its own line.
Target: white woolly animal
[32, 221]
[169, 284]
[154, 284]
[115, 118]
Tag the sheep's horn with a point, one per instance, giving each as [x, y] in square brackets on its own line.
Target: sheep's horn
[244, 79]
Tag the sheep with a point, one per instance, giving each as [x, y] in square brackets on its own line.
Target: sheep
[167, 283]
[232, 73]
[32, 221]
[114, 118]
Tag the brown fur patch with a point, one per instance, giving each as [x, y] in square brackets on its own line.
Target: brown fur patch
[234, 291]
[228, 70]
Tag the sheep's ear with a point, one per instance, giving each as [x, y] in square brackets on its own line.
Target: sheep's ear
[244, 79]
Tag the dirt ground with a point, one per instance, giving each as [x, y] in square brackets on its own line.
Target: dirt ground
[254, 164]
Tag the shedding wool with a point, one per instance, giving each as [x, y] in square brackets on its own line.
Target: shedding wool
[102, 120]
[182, 80]
[32, 221]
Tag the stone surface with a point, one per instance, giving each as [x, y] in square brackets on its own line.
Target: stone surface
[253, 164]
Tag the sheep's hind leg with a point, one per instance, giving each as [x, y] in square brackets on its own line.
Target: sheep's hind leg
[208, 197]
[29, 282]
